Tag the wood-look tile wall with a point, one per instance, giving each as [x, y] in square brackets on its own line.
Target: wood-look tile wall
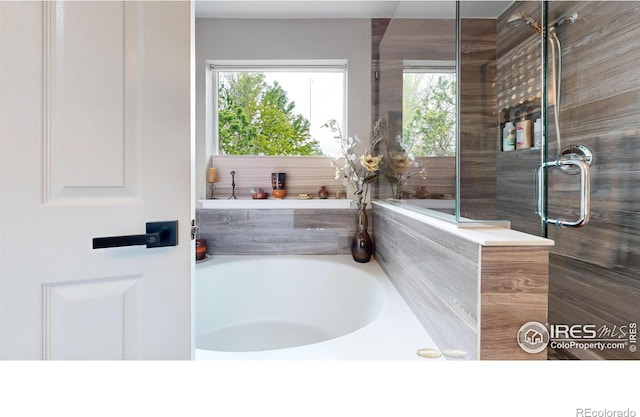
[467, 296]
[514, 290]
[435, 273]
[304, 175]
[277, 231]
[478, 119]
[594, 270]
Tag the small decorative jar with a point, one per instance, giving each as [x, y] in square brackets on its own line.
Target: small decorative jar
[201, 249]
[323, 193]
[278, 182]
[258, 194]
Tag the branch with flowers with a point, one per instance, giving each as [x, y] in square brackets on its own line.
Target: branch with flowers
[356, 173]
[398, 163]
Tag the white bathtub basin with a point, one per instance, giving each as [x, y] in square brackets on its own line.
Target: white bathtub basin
[301, 307]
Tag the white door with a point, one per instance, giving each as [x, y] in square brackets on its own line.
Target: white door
[95, 141]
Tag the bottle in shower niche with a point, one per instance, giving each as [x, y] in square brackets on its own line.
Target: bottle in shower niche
[524, 134]
[508, 137]
[537, 133]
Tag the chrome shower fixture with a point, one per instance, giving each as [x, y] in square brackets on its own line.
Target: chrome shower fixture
[520, 18]
[562, 20]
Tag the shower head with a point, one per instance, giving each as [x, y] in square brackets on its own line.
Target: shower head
[519, 18]
[562, 20]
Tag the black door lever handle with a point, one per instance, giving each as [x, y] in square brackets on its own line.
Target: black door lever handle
[158, 234]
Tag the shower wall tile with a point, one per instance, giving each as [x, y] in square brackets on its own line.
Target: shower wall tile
[277, 231]
[478, 130]
[581, 292]
[594, 270]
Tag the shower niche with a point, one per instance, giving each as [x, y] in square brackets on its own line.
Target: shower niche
[518, 86]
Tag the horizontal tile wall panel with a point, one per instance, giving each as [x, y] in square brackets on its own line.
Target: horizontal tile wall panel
[435, 273]
[277, 231]
[304, 175]
[467, 296]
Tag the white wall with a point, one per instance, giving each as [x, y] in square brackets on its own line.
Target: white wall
[235, 39]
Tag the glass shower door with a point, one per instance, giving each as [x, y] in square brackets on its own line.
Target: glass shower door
[514, 144]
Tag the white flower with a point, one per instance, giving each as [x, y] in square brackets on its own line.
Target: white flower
[357, 176]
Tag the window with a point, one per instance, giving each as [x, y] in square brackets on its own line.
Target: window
[429, 108]
[275, 107]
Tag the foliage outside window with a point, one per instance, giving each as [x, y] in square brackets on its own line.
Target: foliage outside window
[429, 111]
[257, 115]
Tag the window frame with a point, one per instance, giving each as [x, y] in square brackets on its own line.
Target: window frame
[213, 67]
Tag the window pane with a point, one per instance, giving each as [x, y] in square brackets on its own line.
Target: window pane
[429, 113]
[279, 112]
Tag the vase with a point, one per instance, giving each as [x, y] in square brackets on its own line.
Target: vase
[362, 245]
[201, 249]
[278, 182]
[323, 193]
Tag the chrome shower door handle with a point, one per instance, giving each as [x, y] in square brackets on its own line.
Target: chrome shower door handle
[585, 192]
[539, 187]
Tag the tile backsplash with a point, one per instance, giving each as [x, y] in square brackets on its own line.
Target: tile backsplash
[277, 231]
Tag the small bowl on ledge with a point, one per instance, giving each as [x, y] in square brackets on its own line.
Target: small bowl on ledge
[259, 196]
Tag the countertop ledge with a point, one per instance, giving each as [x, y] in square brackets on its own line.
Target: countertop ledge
[271, 203]
[485, 234]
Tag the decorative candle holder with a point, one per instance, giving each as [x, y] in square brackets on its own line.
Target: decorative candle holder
[233, 186]
[213, 178]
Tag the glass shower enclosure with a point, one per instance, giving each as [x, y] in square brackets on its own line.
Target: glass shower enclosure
[561, 78]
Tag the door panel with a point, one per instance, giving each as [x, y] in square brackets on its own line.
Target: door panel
[91, 92]
[96, 141]
[70, 309]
